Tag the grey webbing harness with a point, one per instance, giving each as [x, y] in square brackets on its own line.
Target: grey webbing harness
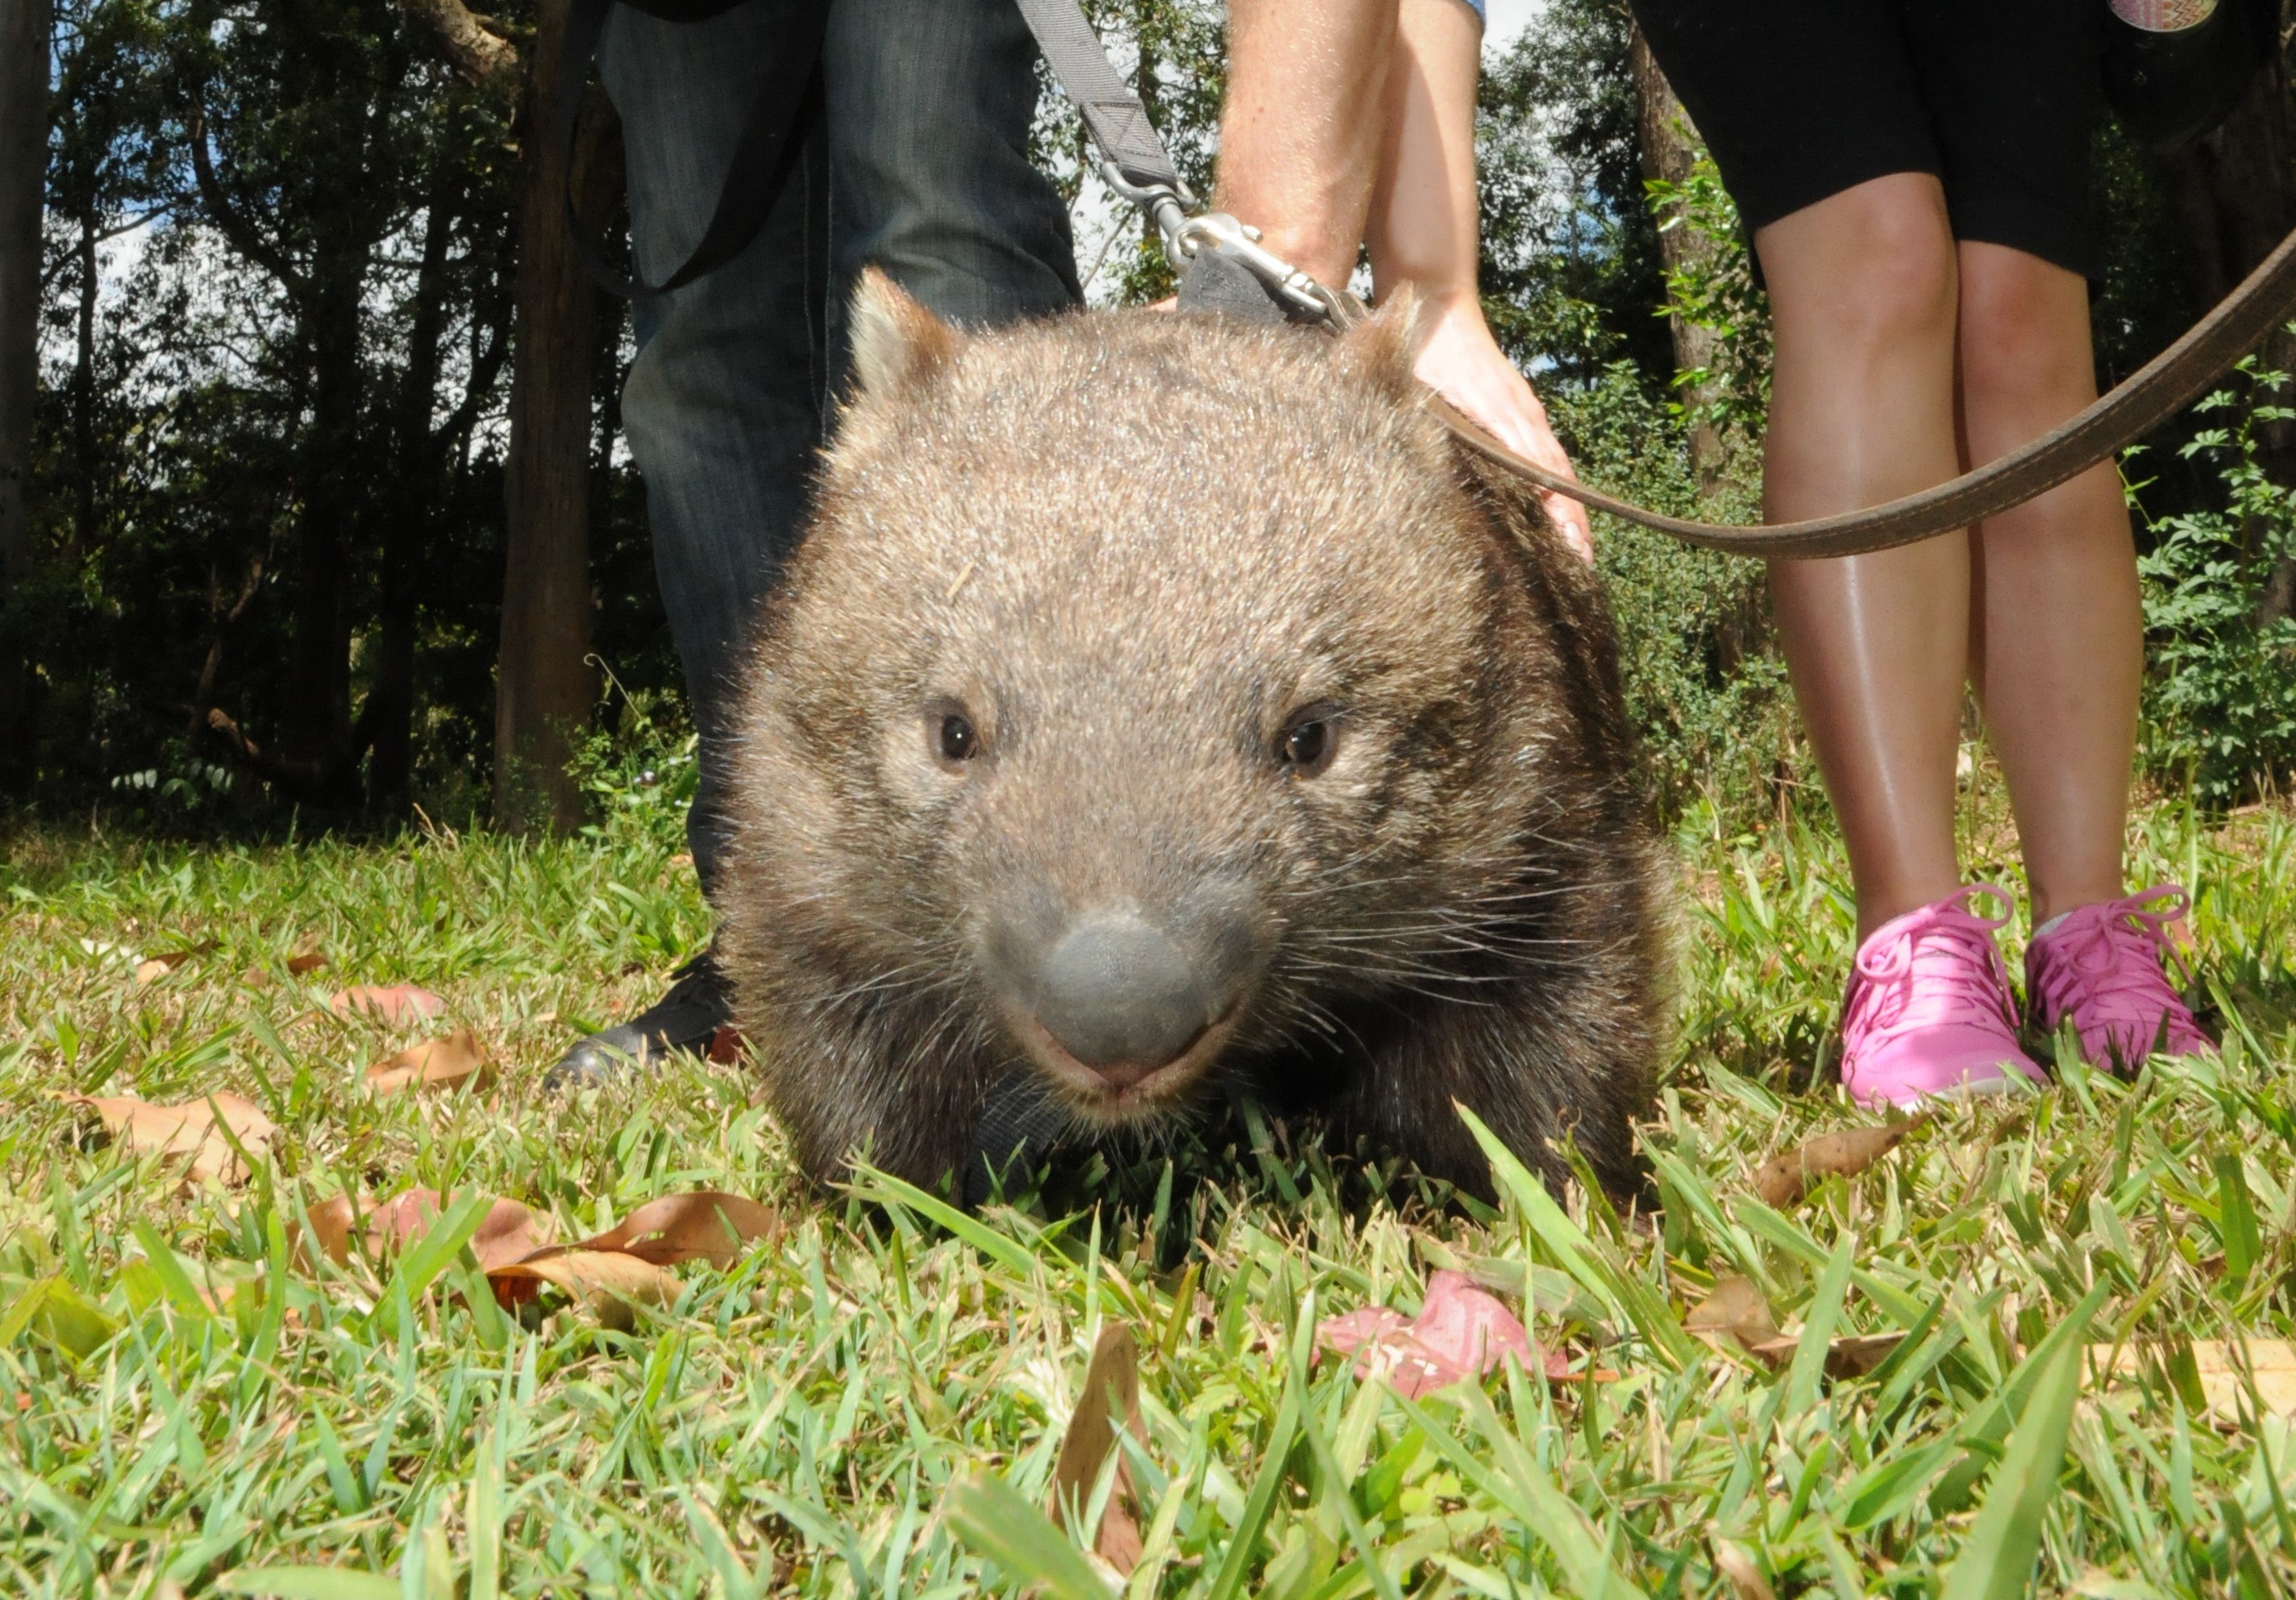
[1224, 268]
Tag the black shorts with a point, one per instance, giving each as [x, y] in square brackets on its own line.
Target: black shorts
[1798, 99]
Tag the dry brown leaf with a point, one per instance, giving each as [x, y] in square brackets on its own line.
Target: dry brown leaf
[332, 1220]
[196, 1128]
[457, 1061]
[708, 1224]
[1112, 1380]
[1736, 1314]
[394, 1223]
[1847, 1356]
[309, 962]
[161, 964]
[605, 1280]
[1736, 1311]
[2221, 1363]
[1785, 1179]
[1746, 1580]
[391, 1004]
[508, 1231]
[1854, 1355]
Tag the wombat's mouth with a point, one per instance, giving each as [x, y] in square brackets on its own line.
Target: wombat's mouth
[1130, 1091]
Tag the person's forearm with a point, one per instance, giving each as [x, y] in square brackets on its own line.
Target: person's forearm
[1302, 132]
[1422, 229]
[1421, 225]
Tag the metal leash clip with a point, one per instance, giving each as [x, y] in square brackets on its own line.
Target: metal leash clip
[1239, 241]
[1168, 204]
[1185, 234]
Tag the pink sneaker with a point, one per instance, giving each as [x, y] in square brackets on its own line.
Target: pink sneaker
[1929, 1011]
[2100, 966]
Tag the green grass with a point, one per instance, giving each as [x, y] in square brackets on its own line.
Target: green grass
[873, 1404]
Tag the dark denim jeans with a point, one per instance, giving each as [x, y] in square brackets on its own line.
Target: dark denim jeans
[929, 105]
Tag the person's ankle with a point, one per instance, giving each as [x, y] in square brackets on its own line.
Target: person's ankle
[1876, 911]
[2049, 909]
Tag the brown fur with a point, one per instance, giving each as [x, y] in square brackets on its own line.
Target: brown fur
[1129, 545]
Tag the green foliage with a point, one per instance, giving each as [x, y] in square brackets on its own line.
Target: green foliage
[1571, 271]
[2220, 699]
[192, 787]
[639, 772]
[873, 1403]
[1706, 688]
[1711, 287]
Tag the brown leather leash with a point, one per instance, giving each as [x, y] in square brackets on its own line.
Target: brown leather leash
[2149, 397]
[1253, 283]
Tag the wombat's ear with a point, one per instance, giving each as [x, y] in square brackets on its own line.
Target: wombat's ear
[1384, 345]
[896, 341]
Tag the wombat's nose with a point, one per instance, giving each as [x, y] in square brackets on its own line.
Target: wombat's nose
[1119, 996]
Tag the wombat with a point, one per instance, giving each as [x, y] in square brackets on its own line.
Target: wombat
[1158, 706]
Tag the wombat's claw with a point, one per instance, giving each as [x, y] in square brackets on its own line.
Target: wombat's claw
[689, 1017]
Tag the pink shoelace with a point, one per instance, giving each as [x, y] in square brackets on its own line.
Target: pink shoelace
[2102, 966]
[1938, 967]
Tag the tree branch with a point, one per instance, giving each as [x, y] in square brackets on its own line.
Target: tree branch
[484, 372]
[241, 234]
[224, 621]
[479, 54]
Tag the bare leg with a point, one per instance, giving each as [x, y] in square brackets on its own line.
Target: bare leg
[1862, 285]
[2056, 624]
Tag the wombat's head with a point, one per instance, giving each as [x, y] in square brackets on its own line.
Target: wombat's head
[1141, 690]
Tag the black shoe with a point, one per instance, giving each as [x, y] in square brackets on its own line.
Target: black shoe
[687, 1018]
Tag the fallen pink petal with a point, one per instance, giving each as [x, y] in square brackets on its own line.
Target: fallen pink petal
[1461, 1332]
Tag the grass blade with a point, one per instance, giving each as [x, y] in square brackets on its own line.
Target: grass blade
[309, 1583]
[1636, 1301]
[996, 1521]
[1245, 1538]
[1997, 1562]
[886, 1189]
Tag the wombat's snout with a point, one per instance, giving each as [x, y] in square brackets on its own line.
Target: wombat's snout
[1124, 999]
[1121, 997]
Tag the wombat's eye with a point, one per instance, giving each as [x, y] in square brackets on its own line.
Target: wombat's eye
[954, 737]
[1306, 743]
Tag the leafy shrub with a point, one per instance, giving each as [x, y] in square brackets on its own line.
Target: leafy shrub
[639, 774]
[2220, 699]
[1711, 287]
[1704, 680]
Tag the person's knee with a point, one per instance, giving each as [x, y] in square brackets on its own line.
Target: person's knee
[2024, 336]
[1905, 275]
[1872, 267]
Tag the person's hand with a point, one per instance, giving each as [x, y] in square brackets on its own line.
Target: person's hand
[1460, 360]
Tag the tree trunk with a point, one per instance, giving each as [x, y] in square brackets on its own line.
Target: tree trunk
[318, 711]
[387, 721]
[24, 28]
[2234, 193]
[83, 379]
[1669, 148]
[544, 688]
